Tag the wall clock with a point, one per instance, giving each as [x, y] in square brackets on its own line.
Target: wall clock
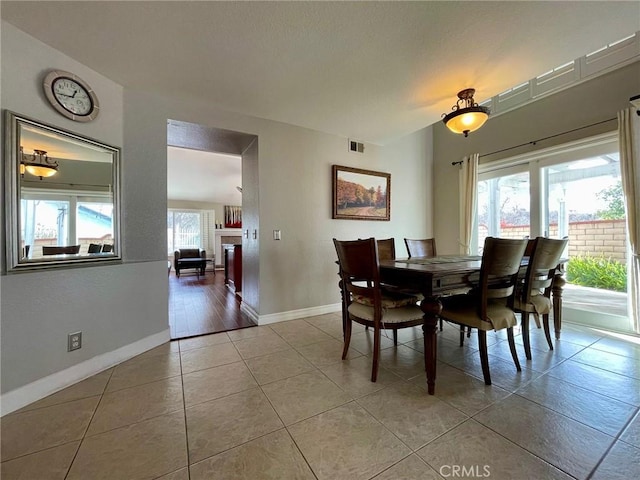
[71, 96]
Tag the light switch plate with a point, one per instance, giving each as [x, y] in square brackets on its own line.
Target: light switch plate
[276, 235]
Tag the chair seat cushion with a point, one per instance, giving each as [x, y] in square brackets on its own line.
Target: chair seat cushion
[389, 315]
[463, 309]
[392, 289]
[539, 304]
[390, 299]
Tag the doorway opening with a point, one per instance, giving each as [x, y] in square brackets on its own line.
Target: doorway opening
[204, 184]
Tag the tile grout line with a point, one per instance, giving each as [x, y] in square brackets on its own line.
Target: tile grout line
[615, 440]
[284, 426]
[184, 411]
[84, 435]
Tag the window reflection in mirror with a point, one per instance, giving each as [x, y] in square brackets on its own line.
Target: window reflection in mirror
[63, 194]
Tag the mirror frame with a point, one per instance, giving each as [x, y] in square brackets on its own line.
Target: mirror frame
[12, 189]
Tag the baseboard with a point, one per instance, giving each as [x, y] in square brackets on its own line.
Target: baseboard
[251, 313]
[20, 397]
[302, 313]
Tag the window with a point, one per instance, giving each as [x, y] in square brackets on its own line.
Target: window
[504, 206]
[44, 222]
[183, 230]
[190, 229]
[64, 218]
[570, 191]
[94, 221]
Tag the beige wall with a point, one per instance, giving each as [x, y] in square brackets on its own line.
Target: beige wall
[289, 189]
[593, 101]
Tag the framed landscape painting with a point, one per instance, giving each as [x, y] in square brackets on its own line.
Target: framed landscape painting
[361, 194]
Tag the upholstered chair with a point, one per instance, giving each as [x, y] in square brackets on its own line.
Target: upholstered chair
[534, 291]
[364, 299]
[490, 305]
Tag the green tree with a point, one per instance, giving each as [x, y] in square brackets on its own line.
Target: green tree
[614, 197]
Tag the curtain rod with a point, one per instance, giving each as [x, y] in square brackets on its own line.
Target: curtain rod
[534, 142]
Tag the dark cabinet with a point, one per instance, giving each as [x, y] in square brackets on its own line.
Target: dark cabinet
[233, 266]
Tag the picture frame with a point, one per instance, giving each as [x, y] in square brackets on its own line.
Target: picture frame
[361, 194]
[232, 216]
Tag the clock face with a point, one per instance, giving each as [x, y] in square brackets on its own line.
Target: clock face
[71, 96]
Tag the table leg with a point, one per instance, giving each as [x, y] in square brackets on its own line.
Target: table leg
[431, 307]
[558, 283]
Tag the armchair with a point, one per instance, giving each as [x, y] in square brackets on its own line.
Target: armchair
[189, 258]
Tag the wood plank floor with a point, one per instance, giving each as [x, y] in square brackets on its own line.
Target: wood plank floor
[202, 305]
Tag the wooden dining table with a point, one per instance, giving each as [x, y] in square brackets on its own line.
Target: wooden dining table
[444, 274]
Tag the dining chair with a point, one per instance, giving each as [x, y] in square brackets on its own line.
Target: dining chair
[527, 253]
[425, 247]
[364, 299]
[421, 248]
[490, 305]
[69, 249]
[534, 291]
[387, 251]
[94, 248]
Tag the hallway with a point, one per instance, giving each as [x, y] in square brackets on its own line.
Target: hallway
[199, 305]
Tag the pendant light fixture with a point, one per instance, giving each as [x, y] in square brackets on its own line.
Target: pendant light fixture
[467, 116]
[38, 164]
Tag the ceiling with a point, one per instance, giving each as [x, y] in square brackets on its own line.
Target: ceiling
[198, 176]
[369, 71]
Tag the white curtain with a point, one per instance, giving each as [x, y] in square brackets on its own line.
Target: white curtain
[468, 178]
[629, 138]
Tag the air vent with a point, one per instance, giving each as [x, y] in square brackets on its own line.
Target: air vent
[356, 146]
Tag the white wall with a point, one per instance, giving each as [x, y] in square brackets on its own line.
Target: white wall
[590, 102]
[114, 306]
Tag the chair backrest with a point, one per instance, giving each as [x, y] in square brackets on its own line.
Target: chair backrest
[70, 249]
[107, 248]
[359, 269]
[189, 253]
[386, 249]
[94, 248]
[531, 243]
[501, 259]
[543, 260]
[421, 248]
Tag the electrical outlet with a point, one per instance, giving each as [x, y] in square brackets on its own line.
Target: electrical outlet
[74, 341]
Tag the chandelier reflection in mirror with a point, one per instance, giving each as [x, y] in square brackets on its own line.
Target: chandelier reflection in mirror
[37, 164]
[467, 116]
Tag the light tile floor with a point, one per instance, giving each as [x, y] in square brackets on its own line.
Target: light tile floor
[277, 402]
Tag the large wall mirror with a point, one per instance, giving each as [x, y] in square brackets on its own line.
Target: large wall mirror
[62, 201]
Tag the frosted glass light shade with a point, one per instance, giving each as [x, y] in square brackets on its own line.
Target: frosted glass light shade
[40, 170]
[466, 120]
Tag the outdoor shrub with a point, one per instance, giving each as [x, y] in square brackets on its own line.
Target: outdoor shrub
[597, 272]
